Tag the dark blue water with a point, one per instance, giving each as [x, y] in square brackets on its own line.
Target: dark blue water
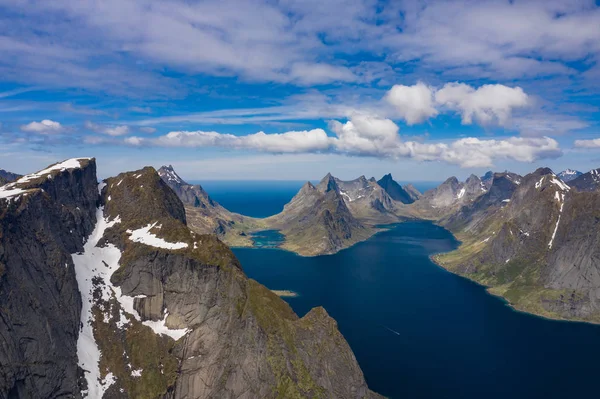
[263, 198]
[421, 332]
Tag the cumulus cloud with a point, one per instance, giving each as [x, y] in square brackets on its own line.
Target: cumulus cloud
[46, 126]
[365, 135]
[414, 103]
[593, 143]
[486, 104]
[107, 129]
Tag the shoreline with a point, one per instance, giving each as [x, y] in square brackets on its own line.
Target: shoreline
[513, 307]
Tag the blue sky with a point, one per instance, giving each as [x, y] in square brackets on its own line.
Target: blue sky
[294, 89]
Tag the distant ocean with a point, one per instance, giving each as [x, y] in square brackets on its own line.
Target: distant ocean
[262, 198]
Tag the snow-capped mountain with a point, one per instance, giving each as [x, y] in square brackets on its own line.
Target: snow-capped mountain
[569, 174]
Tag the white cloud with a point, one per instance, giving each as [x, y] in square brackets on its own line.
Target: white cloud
[46, 126]
[593, 143]
[107, 129]
[147, 129]
[365, 135]
[289, 142]
[369, 136]
[414, 103]
[486, 105]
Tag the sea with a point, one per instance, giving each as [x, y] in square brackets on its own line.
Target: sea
[417, 330]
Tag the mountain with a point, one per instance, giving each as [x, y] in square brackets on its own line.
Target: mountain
[206, 215]
[540, 248]
[589, 181]
[367, 200]
[317, 220]
[448, 197]
[569, 174]
[106, 292]
[7, 177]
[394, 190]
[500, 191]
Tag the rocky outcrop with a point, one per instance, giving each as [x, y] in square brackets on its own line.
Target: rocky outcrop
[395, 191]
[207, 216]
[44, 217]
[317, 220]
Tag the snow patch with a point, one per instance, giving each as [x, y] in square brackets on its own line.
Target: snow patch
[539, 184]
[74, 163]
[560, 184]
[461, 193]
[143, 236]
[562, 204]
[160, 328]
[88, 265]
[136, 373]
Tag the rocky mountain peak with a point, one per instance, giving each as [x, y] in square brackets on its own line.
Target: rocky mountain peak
[141, 197]
[589, 181]
[542, 171]
[168, 174]
[569, 174]
[328, 183]
[394, 190]
[7, 177]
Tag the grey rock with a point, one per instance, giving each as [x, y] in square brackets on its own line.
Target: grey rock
[40, 302]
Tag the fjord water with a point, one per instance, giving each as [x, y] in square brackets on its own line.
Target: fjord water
[419, 331]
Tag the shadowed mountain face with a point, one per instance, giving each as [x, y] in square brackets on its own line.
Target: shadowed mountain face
[394, 190]
[7, 177]
[124, 300]
[589, 181]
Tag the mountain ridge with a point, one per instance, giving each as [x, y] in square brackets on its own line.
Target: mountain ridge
[167, 312]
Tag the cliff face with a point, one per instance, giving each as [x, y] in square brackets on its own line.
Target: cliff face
[317, 220]
[43, 219]
[538, 248]
[144, 306]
